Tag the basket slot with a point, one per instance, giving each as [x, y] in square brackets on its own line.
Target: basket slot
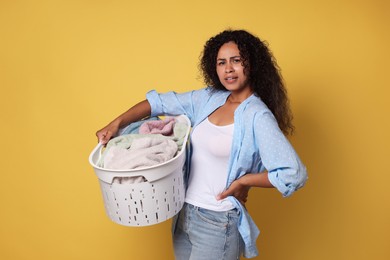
[143, 204]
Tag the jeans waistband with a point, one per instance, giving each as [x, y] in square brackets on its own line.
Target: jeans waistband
[193, 207]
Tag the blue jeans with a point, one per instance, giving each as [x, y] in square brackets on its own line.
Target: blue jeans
[202, 234]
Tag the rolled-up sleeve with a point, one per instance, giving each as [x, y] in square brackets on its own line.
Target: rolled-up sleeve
[172, 103]
[155, 103]
[285, 170]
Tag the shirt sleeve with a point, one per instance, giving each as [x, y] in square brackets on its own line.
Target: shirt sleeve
[285, 170]
[172, 103]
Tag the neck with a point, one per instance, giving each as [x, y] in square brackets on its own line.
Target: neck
[234, 100]
[238, 97]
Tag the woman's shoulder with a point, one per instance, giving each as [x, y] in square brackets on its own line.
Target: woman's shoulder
[256, 106]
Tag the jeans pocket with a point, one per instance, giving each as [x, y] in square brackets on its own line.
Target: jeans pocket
[216, 218]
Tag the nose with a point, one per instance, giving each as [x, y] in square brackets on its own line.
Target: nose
[228, 67]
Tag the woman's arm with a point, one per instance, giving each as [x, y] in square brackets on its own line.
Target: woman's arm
[135, 113]
[170, 103]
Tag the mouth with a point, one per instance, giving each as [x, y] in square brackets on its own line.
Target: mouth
[231, 79]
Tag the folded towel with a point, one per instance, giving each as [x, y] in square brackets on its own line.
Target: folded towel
[143, 152]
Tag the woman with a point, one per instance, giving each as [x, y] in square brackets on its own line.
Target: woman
[238, 141]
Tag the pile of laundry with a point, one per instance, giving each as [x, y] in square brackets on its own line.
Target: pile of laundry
[144, 144]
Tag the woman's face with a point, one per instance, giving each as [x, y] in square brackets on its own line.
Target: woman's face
[230, 69]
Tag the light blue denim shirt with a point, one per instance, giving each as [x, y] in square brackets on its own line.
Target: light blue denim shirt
[258, 145]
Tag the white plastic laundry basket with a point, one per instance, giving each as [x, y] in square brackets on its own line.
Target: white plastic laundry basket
[157, 199]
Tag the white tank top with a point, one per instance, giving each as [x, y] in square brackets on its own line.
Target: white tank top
[211, 146]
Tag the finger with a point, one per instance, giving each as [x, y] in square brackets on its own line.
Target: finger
[99, 135]
[106, 138]
[223, 195]
[101, 138]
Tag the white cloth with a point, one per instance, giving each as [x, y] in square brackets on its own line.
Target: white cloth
[143, 152]
[210, 158]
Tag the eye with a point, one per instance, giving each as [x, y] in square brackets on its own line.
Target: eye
[237, 60]
[219, 63]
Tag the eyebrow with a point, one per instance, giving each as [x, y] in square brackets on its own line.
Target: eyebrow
[229, 58]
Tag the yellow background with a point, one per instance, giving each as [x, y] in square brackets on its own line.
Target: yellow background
[68, 67]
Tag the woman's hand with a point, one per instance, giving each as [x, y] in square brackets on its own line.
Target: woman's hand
[238, 190]
[104, 135]
[240, 187]
[135, 113]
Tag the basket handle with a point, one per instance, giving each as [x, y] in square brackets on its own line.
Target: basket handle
[99, 146]
[98, 150]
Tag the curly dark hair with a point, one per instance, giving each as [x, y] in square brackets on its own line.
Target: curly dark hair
[260, 67]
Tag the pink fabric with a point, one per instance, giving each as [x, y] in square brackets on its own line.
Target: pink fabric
[164, 127]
